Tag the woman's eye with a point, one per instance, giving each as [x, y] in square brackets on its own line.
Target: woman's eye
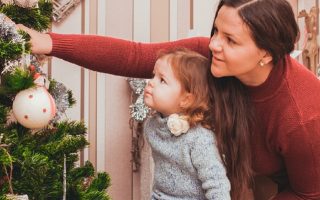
[162, 80]
[230, 41]
[214, 31]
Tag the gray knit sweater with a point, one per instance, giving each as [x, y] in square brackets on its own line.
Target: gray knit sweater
[187, 167]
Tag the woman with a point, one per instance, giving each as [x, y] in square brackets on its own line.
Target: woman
[249, 48]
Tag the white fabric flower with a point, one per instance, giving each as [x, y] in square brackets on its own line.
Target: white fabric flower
[177, 124]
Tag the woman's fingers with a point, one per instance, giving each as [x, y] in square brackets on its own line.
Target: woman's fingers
[41, 43]
[8, 19]
[22, 27]
[26, 29]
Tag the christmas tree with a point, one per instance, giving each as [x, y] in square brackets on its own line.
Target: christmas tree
[38, 150]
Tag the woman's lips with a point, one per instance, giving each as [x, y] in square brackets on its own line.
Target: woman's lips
[217, 59]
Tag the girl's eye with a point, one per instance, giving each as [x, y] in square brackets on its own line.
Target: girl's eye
[162, 80]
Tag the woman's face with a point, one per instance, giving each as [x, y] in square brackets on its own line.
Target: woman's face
[234, 51]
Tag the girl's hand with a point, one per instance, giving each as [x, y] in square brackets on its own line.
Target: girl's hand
[41, 43]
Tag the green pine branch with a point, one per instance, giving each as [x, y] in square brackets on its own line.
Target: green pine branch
[96, 189]
[68, 144]
[35, 18]
[19, 79]
[10, 50]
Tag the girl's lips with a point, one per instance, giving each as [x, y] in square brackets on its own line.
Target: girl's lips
[146, 92]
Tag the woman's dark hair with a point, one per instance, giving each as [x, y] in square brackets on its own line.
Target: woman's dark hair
[233, 120]
[274, 29]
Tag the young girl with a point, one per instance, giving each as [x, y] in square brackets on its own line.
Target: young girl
[187, 161]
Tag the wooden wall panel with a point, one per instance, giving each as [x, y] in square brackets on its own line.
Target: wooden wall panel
[119, 23]
[142, 180]
[160, 20]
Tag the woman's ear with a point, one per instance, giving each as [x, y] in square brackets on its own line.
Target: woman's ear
[186, 100]
[267, 58]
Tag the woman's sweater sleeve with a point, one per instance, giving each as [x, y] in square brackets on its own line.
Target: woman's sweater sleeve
[301, 151]
[117, 56]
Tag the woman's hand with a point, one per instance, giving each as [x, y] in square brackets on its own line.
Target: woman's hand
[41, 43]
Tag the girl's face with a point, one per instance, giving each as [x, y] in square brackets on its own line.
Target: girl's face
[164, 92]
[234, 51]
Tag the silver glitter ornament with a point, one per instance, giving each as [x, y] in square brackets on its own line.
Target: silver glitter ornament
[138, 110]
[137, 85]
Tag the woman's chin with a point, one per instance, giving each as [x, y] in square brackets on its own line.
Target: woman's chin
[215, 72]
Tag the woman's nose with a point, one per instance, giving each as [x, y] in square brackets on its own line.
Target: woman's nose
[215, 44]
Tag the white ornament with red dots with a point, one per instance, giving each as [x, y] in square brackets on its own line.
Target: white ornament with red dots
[34, 107]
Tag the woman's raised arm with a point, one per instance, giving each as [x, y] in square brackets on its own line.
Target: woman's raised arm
[108, 54]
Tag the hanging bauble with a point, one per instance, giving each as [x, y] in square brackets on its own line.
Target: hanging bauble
[7, 2]
[26, 3]
[34, 107]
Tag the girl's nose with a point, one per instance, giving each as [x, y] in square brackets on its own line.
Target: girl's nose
[150, 83]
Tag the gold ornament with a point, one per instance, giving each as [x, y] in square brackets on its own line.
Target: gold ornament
[7, 2]
[26, 3]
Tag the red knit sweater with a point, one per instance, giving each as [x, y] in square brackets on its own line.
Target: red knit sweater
[287, 145]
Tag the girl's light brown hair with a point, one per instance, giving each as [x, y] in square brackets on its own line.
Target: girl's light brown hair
[191, 69]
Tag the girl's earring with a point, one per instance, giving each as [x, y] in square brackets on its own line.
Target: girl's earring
[261, 63]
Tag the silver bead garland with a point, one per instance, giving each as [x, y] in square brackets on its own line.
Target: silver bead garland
[8, 32]
[60, 94]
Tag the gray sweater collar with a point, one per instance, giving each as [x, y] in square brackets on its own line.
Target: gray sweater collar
[162, 127]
